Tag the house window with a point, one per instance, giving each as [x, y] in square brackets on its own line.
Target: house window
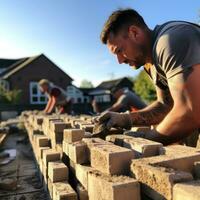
[79, 100]
[106, 98]
[36, 97]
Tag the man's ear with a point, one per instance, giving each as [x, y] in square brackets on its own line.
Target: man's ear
[133, 32]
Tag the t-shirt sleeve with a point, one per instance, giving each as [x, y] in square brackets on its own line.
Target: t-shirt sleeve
[178, 49]
[55, 92]
[123, 100]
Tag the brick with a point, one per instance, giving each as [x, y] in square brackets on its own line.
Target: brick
[50, 188]
[82, 172]
[45, 173]
[57, 171]
[39, 152]
[91, 142]
[101, 186]
[178, 157]
[87, 127]
[111, 159]
[39, 120]
[73, 135]
[42, 141]
[117, 139]
[82, 193]
[59, 148]
[186, 191]
[77, 152]
[63, 191]
[59, 126]
[183, 161]
[50, 155]
[157, 182]
[144, 147]
[65, 147]
[197, 170]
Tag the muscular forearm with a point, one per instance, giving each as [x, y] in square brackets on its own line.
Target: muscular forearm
[178, 124]
[47, 106]
[152, 114]
[115, 108]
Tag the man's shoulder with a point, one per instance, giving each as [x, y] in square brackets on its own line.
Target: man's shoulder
[174, 29]
[55, 91]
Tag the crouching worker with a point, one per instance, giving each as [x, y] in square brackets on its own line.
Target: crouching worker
[57, 98]
[126, 100]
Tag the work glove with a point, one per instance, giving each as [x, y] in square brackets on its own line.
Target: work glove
[114, 119]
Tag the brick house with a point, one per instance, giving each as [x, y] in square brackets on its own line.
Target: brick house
[24, 74]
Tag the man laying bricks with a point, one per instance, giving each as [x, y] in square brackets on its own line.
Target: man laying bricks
[126, 100]
[57, 98]
[170, 55]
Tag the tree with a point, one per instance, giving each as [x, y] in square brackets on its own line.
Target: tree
[10, 97]
[144, 87]
[86, 84]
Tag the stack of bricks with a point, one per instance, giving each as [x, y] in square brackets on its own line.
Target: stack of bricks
[73, 165]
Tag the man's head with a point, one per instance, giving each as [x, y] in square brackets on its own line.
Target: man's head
[126, 36]
[117, 92]
[44, 85]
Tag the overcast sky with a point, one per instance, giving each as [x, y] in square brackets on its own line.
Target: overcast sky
[67, 31]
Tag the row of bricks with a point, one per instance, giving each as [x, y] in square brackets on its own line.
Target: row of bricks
[149, 172]
[133, 185]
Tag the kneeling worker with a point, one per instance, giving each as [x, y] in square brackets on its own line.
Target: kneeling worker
[57, 98]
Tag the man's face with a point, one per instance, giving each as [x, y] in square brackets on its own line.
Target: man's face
[129, 48]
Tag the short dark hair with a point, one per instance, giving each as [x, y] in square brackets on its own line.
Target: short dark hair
[120, 19]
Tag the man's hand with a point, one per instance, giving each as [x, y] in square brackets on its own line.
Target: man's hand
[113, 119]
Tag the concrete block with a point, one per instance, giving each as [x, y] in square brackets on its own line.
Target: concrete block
[63, 191]
[157, 182]
[82, 172]
[117, 139]
[65, 146]
[87, 127]
[144, 147]
[73, 135]
[59, 148]
[50, 155]
[42, 141]
[82, 192]
[58, 126]
[39, 120]
[186, 191]
[197, 170]
[91, 142]
[77, 152]
[106, 187]
[57, 171]
[39, 152]
[50, 188]
[111, 159]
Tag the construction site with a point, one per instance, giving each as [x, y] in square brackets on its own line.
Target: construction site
[59, 157]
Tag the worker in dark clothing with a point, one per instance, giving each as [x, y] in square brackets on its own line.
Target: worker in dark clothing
[126, 100]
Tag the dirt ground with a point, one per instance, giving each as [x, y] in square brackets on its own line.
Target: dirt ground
[21, 173]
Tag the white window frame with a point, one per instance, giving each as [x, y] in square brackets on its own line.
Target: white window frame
[38, 95]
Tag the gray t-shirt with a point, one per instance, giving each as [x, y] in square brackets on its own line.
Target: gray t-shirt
[130, 101]
[176, 48]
